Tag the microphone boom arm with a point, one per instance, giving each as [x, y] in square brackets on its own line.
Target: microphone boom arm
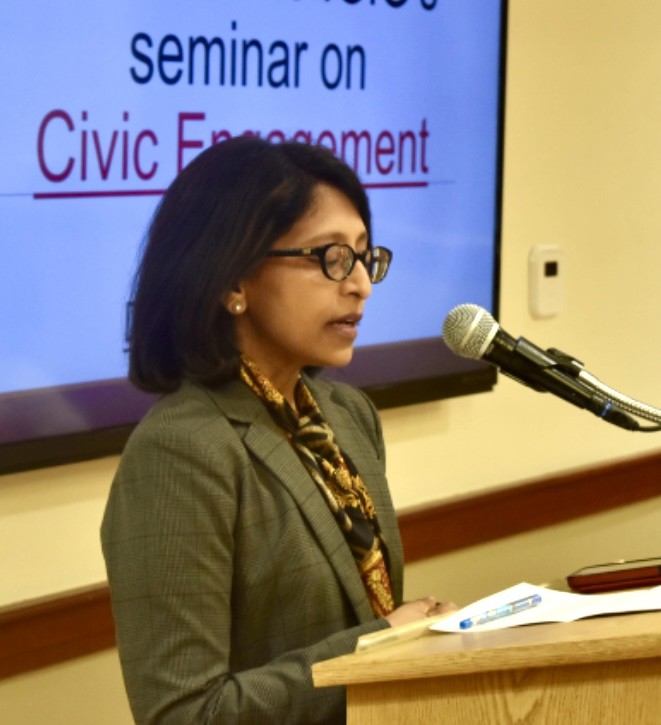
[635, 407]
[576, 368]
[545, 371]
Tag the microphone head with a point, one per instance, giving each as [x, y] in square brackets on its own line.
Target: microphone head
[468, 331]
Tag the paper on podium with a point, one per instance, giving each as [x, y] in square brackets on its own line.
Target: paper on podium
[553, 606]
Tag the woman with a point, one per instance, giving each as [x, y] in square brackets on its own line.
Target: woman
[249, 531]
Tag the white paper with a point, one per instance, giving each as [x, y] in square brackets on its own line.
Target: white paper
[555, 606]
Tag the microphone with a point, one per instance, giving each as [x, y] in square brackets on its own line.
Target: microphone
[470, 331]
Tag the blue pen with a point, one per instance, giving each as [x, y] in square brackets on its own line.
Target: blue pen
[505, 610]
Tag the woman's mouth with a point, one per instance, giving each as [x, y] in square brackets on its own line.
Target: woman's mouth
[347, 325]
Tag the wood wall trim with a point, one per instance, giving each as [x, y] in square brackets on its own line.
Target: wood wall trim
[64, 627]
[463, 522]
[55, 629]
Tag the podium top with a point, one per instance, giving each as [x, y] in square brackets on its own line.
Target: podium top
[602, 639]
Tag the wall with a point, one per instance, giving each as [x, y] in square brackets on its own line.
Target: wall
[583, 160]
[582, 169]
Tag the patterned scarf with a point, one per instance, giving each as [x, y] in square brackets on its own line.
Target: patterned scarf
[335, 476]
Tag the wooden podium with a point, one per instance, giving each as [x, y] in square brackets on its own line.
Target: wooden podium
[598, 671]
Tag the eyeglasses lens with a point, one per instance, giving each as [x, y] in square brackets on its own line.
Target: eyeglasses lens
[340, 259]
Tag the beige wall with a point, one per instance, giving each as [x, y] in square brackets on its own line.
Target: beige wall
[583, 170]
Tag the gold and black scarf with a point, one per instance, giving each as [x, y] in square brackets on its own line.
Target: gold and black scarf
[335, 476]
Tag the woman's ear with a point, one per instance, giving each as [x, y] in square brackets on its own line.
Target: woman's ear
[235, 302]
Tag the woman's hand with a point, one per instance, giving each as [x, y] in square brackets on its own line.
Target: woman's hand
[419, 609]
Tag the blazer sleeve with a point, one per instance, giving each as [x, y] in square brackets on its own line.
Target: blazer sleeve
[168, 537]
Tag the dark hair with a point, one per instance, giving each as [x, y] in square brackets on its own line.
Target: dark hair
[213, 227]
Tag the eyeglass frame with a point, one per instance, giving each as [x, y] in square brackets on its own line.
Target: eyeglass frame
[321, 251]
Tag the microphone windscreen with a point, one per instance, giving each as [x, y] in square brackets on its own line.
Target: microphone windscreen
[468, 331]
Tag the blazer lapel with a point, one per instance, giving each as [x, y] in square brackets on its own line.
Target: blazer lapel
[267, 442]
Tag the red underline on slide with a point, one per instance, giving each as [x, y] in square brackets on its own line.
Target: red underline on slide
[96, 194]
[396, 185]
[160, 192]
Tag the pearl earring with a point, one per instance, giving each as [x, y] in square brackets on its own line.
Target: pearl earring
[237, 307]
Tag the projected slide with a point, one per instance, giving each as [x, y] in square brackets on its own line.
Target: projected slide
[103, 102]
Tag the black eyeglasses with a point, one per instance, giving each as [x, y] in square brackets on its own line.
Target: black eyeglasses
[338, 260]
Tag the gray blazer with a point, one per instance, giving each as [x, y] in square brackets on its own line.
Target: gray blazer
[228, 574]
